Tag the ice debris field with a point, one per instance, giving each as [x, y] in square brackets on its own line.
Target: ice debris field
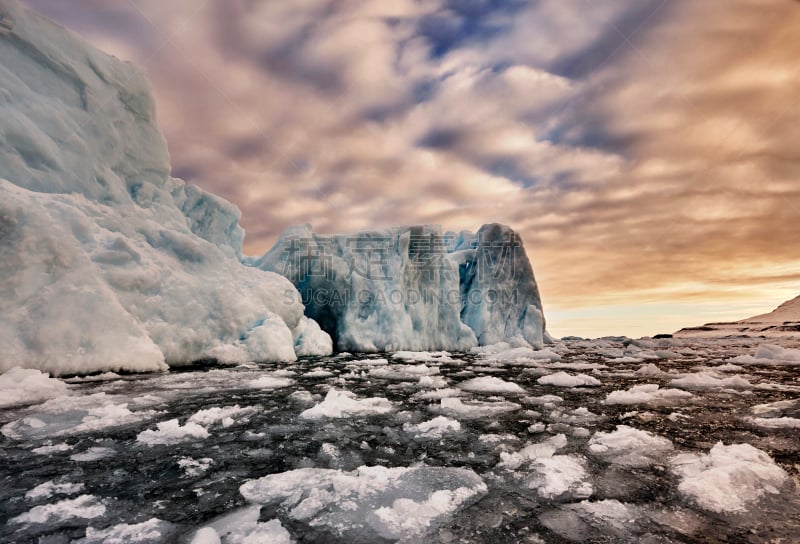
[609, 440]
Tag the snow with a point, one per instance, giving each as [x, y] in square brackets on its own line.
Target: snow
[28, 386]
[629, 447]
[403, 372]
[94, 453]
[728, 478]
[490, 384]
[172, 432]
[423, 356]
[195, 467]
[403, 288]
[150, 531]
[777, 353]
[339, 404]
[434, 428]
[532, 452]
[206, 535]
[84, 506]
[701, 381]
[648, 394]
[371, 502]
[562, 379]
[107, 263]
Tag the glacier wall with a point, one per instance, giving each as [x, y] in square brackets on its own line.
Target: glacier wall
[413, 288]
[107, 262]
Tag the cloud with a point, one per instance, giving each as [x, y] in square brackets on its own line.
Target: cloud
[639, 146]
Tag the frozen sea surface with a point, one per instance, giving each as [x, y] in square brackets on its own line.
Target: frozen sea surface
[684, 441]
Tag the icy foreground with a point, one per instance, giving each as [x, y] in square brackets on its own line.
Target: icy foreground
[107, 262]
[414, 448]
[414, 288]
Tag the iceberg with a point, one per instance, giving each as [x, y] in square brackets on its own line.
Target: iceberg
[416, 288]
[106, 261]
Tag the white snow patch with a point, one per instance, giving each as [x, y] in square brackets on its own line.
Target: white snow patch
[473, 409]
[226, 416]
[50, 488]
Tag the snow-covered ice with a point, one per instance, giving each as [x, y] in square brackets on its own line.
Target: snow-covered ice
[562, 379]
[28, 386]
[391, 503]
[629, 447]
[490, 384]
[648, 394]
[345, 404]
[728, 478]
[172, 432]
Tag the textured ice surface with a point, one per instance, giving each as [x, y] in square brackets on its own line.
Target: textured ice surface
[413, 288]
[84, 506]
[728, 478]
[391, 503]
[28, 386]
[648, 394]
[490, 384]
[562, 379]
[629, 447]
[709, 380]
[345, 404]
[106, 262]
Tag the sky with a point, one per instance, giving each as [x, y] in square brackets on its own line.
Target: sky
[646, 150]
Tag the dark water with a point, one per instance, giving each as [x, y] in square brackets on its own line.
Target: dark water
[192, 481]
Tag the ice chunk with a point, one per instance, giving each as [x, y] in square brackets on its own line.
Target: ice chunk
[409, 288]
[345, 404]
[403, 372]
[84, 507]
[560, 476]
[28, 386]
[151, 531]
[69, 415]
[225, 416]
[95, 453]
[490, 384]
[172, 432]
[473, 409]
[630, 447]
[195, 467]
[701, 381]
[424, 356]
[648, 394]
[206, 535]
[434, 428]
[108, 263]
[728, 478]
[50, 488]
[270, 382]
[562, 379]
[310, 339]
[532, 452]
[775, 422]
[369, 503]
[777, 353]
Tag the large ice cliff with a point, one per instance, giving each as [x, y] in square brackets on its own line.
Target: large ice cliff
[414, 288]
[107, 262]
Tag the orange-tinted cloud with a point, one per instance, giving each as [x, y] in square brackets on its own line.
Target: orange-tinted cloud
[646, 150]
